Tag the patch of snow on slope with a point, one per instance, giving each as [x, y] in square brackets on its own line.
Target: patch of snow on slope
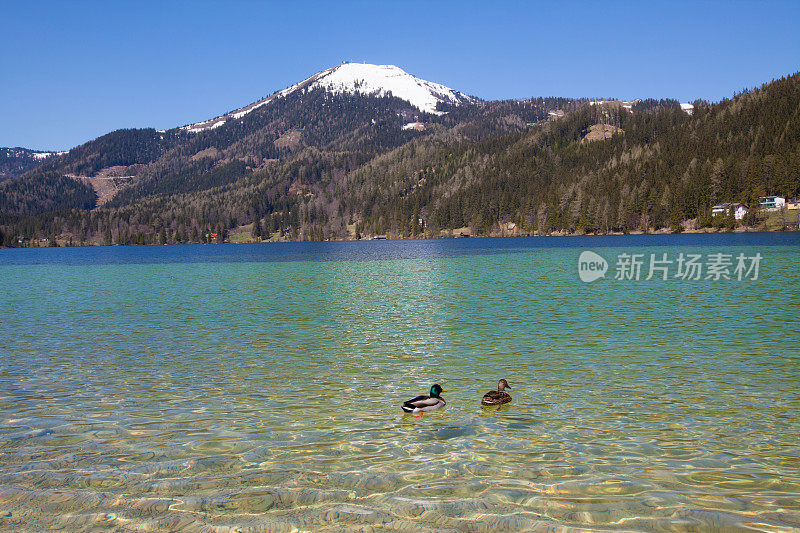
[246, 110]
[26, 153]
[203, 126]
[43, 155]
[689, 108]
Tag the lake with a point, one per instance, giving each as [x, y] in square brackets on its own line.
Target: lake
[258, 387]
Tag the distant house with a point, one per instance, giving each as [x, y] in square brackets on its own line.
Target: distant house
[739, 210]
[793, 204]
[771, 203]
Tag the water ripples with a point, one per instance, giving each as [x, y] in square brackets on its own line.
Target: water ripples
[265, 397]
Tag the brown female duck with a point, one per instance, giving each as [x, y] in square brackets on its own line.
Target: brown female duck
[499, 396]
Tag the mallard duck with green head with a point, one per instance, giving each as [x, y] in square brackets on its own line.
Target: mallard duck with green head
[499, 396]
[425, 403]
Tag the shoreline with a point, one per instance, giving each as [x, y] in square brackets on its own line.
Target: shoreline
[62, 244]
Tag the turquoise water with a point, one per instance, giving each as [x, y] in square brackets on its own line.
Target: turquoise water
[258, 388]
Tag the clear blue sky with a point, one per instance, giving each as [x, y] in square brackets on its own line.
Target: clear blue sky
[71, 71]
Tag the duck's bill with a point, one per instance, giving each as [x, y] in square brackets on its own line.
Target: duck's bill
[444, 390]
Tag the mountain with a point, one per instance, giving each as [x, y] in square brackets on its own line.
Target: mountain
[14, 162]
[356, 111]
[354, 79]
[362, 150]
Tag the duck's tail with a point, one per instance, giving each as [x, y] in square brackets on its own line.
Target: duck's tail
[408, 408]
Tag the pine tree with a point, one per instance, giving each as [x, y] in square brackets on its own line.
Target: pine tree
[255, 232]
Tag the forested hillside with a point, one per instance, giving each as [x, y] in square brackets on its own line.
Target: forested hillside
[661, 168]
[309, 165]
[14, 162]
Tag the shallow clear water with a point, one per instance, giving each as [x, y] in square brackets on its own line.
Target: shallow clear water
[258, 387]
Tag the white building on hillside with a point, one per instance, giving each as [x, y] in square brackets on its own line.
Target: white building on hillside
[739, 210]
[771, 203]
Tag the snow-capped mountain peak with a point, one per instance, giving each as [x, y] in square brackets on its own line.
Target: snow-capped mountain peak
[380, 80]
[358, 78]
